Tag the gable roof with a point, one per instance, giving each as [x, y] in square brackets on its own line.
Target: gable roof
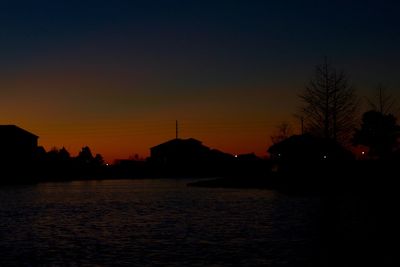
[12, 129]
[177, 142]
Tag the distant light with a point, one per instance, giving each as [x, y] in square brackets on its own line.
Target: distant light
[107, 164]
[363, 153]
[236, 156]
[325, 157]
[279, 155]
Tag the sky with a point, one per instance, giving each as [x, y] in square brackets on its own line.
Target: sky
[115, 75]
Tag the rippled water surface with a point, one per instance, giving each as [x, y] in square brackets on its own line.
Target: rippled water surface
[153, 223]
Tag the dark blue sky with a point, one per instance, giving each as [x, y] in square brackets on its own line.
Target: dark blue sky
[241, 61]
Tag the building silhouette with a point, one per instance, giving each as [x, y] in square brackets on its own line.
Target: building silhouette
[177, 151]
[16, 145]
[188, 156]
[307, 147]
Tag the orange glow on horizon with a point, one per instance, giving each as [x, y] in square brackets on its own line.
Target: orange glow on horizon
[117, 144]
[73, 108]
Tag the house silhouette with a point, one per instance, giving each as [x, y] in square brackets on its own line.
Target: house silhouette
[187, 154]
[180, 157]
[307, 147]
[16, 145]
[177, 151]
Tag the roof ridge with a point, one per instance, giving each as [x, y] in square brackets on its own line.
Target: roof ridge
[17, 128]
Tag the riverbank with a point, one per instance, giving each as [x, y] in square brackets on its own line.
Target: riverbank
[352, 177]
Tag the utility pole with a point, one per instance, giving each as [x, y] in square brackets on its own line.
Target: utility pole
[302, 125]
[176, 129]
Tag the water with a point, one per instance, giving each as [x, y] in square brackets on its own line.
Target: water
[154, 223]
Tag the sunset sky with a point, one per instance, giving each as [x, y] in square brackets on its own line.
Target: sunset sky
[115, 75]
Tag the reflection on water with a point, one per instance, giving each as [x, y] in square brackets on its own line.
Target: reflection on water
[153, 222]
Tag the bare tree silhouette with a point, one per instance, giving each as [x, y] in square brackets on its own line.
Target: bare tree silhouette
[329, 104]
[383, 101]
[283, 131]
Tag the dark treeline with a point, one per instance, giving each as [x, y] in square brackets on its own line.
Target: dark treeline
[58, 165]
[336, 141]
[54, 165]
[339, 147]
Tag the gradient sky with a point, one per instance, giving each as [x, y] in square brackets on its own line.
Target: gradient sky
[115, 75]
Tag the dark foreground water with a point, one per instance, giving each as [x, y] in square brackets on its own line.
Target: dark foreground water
[155, 223]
